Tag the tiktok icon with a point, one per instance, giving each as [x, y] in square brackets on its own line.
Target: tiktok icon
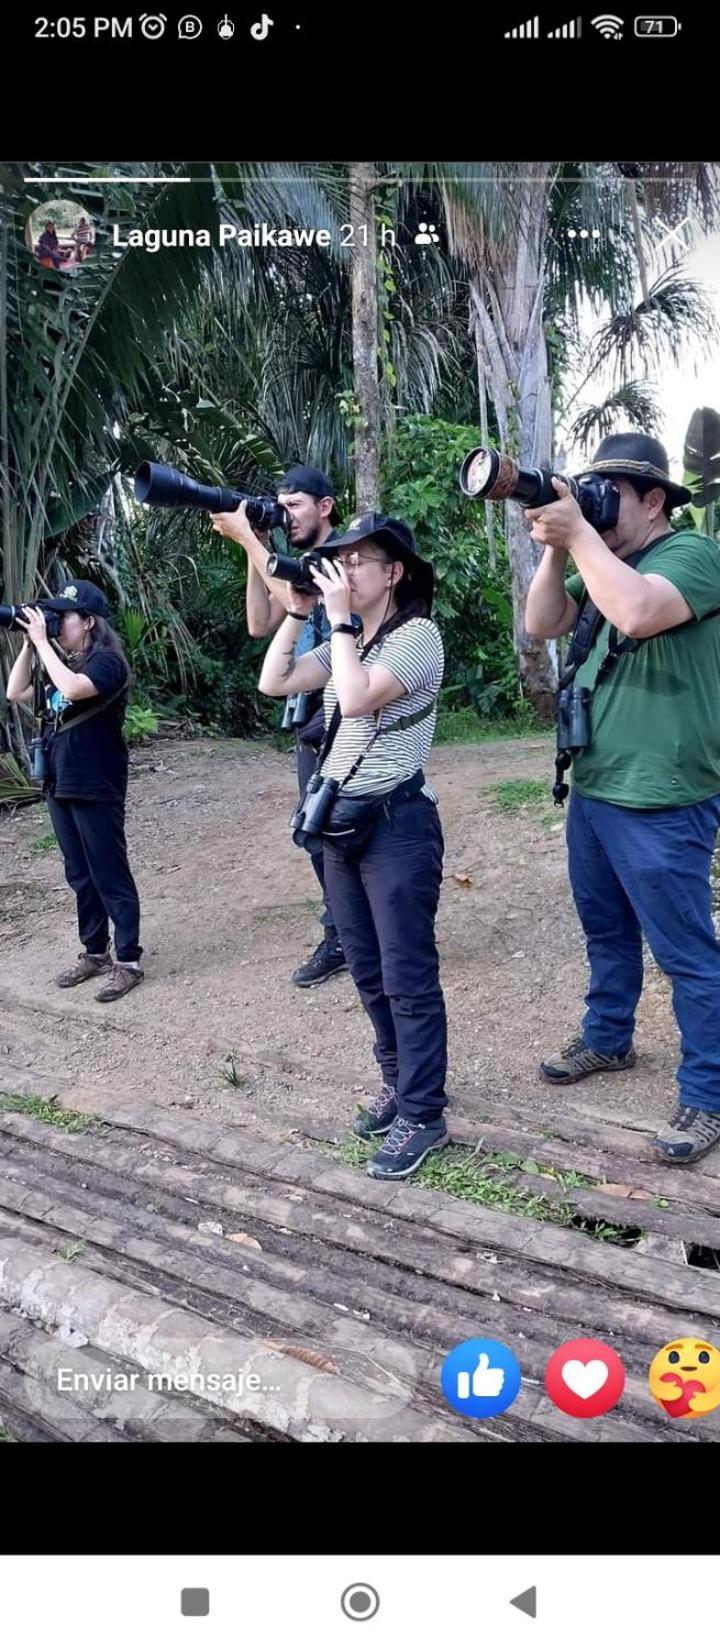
[260, 31]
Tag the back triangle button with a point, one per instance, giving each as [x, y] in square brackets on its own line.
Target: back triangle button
[526, 1602]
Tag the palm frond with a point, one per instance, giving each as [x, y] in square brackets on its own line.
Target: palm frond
[632, 405]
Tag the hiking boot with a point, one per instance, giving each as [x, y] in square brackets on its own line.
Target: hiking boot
[327, 960]
[407, 1145]
[379, 1116]
[577, 1061]
[688, 1135]
[86, 967]
[122, 980]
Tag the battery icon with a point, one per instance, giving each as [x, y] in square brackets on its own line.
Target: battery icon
[657, 28]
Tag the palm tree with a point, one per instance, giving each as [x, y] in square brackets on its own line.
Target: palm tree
[76, 351]
[508, 224]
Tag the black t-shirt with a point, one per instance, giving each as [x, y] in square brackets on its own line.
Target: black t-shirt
[89, 762]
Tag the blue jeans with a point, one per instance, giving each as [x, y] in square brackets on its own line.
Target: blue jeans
[647, 870]
[384, 904]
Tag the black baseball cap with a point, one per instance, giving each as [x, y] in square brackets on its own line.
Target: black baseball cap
[397, 539]
[303, 478]
[80, 597]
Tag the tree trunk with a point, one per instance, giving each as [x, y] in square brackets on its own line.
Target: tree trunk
[365, 336]
[508, 296]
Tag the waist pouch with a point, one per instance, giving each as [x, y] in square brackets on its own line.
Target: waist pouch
[353, 819]
[312, 732]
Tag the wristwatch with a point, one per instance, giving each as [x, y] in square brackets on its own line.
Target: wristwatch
[342, 630]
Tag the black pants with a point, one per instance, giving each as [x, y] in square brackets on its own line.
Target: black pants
[306, 759]
[385, 904]
[91, 838]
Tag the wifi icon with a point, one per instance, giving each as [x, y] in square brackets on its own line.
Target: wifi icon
[609, 26]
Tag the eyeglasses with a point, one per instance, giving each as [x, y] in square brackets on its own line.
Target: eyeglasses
[356, 560]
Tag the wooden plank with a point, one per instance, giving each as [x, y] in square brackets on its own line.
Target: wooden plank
[335, 1275]
[531, 1412]
[359, 1227]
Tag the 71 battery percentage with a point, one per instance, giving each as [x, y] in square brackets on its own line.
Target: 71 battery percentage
[657, 28]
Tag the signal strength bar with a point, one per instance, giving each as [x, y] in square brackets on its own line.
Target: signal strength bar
[568, 31]
[525, 31]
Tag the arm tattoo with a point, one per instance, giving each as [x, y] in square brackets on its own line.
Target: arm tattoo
[289, 667]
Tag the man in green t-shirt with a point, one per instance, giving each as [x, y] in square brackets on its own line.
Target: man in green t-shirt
[645, 805]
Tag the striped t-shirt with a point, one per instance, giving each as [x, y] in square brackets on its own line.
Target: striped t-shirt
[414, 653]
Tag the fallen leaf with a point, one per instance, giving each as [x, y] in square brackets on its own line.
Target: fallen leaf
[626, 1191]
[303, 1355]
[242, 1236]
[463, 881]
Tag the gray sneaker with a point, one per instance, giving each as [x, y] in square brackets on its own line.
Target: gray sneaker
[577, 1061]
[86, 967]
[689, 1134]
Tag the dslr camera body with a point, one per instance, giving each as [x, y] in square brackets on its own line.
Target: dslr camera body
[485, 473]
[9, 616]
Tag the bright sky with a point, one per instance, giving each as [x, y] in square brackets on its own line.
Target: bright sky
[679, 390]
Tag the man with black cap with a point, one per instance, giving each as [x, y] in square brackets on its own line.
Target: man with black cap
[645, 805]
[308, 496]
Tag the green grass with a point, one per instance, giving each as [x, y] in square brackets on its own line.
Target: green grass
[467, 727]
[511, 795]
[6, 1436]
[43, 844]
[71, 1251]
[45, 1110]
[477, 1176]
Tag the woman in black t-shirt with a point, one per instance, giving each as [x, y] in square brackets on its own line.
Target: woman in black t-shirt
[86, 785]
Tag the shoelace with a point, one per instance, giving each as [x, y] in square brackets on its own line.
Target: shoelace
[706, 1124]
[574, 1048]
[375, 1108]
[400, 1135]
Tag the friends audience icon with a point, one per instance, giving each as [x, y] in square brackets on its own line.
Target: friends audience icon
[427, 235]
[60, 235]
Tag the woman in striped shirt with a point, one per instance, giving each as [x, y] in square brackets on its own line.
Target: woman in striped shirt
[380, 695]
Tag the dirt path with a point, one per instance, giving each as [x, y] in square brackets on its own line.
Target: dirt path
[230, 909]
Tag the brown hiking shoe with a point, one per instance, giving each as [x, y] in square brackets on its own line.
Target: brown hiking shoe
[86, 967]
[577, 1061]
[121, 981]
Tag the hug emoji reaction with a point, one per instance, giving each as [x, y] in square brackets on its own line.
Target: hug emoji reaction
[684, 1378]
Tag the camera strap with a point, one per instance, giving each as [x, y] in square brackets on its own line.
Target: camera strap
[589, 622]
[399, 724]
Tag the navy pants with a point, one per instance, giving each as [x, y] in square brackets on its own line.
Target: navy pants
[91, 838]
[384, 903]
[647, 870]
[306, 761]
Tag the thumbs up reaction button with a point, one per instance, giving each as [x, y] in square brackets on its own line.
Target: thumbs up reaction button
[480, 1378]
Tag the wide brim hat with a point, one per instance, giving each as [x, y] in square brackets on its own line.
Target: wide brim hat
[398, 541]
[637, 458]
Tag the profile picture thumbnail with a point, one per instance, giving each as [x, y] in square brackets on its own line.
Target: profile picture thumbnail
[61, 235]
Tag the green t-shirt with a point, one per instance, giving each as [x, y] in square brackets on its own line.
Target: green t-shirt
[656, 719]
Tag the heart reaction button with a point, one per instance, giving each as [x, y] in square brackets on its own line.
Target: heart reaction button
[584, 1378]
